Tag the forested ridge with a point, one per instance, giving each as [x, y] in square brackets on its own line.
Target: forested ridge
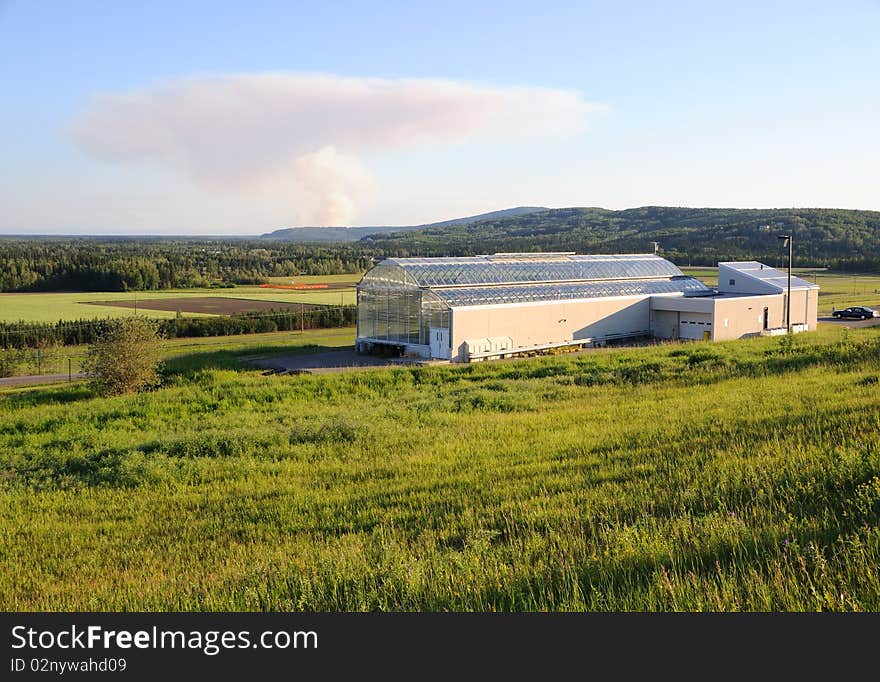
[699, 236]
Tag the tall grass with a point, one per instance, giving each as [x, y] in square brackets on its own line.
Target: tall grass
[733, 476]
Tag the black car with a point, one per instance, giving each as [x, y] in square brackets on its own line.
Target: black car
[855, 313]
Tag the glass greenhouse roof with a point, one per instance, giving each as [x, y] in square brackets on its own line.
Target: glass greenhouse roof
[523, 268]
[524, 293]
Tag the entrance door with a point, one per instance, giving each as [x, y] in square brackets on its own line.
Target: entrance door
[439, 342]
[766, 318]
[695, 326]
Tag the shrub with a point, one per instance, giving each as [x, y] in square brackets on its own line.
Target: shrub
[125, 358]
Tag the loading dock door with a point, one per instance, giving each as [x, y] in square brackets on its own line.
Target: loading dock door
[695, 326]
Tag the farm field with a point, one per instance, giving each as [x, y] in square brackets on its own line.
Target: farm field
[731, 476]
[348, 279]
[209, 305]
[52, 307]
[332, 282]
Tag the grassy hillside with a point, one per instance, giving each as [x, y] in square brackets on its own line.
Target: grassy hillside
[742, 475]
[702, 236]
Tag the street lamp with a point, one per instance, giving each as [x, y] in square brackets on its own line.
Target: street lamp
[787, 240]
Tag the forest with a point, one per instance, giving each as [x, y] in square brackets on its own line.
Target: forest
[832, 238]
[138, 264]
[839, 239]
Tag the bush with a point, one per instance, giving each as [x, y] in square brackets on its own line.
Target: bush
[11, 361]
[125, 358]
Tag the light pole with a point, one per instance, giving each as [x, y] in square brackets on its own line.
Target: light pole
[788, 241]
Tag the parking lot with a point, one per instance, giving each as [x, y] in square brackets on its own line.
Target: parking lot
[329, 361]
[872, 322]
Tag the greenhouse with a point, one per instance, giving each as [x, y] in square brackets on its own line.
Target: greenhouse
[419, 305]
[480, 307]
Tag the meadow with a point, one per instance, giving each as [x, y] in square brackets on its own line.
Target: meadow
[729, 476]
[52, 307]
[207, 350]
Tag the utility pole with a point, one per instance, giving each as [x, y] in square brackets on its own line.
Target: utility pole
[789, 242]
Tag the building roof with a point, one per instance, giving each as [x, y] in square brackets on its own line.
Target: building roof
[510, 278]
[767, 276]
[522, 268]
[527, 293]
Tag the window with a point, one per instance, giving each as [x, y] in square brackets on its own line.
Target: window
[732, 282]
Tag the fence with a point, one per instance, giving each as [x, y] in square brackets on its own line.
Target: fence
[57, 349]
[52, 360]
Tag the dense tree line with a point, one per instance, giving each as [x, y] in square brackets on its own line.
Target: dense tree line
[96, 264]
[839, 239]
[72, 333]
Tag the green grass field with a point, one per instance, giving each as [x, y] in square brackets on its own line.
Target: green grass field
[730, 476]
[351, 279]
[54, 360]
[52, 307]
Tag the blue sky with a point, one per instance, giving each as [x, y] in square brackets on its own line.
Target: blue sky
[124, 117]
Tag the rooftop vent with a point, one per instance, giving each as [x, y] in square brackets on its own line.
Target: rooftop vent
[531, 255]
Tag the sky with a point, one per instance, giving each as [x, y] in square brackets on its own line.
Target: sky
[189, 118]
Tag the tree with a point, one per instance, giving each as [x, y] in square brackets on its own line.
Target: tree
[125, 358]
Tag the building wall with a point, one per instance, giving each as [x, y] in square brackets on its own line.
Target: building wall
[744, 316]
[742, 283]
[734, 317]
[557, 322]
[812, 308]
[548, 322]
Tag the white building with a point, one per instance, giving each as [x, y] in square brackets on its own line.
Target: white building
[472, 308]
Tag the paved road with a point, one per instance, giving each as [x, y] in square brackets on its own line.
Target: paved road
[870, 322]
[35, 380]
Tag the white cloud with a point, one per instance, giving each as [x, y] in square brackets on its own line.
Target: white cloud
[305, 136]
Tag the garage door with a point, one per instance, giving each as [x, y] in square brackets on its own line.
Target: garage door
[695, 326]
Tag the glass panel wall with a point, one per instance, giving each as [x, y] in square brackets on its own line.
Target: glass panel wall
[435, 313]
[390, 307]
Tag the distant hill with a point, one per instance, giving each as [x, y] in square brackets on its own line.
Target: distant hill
[353, 234]
[696, 235]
